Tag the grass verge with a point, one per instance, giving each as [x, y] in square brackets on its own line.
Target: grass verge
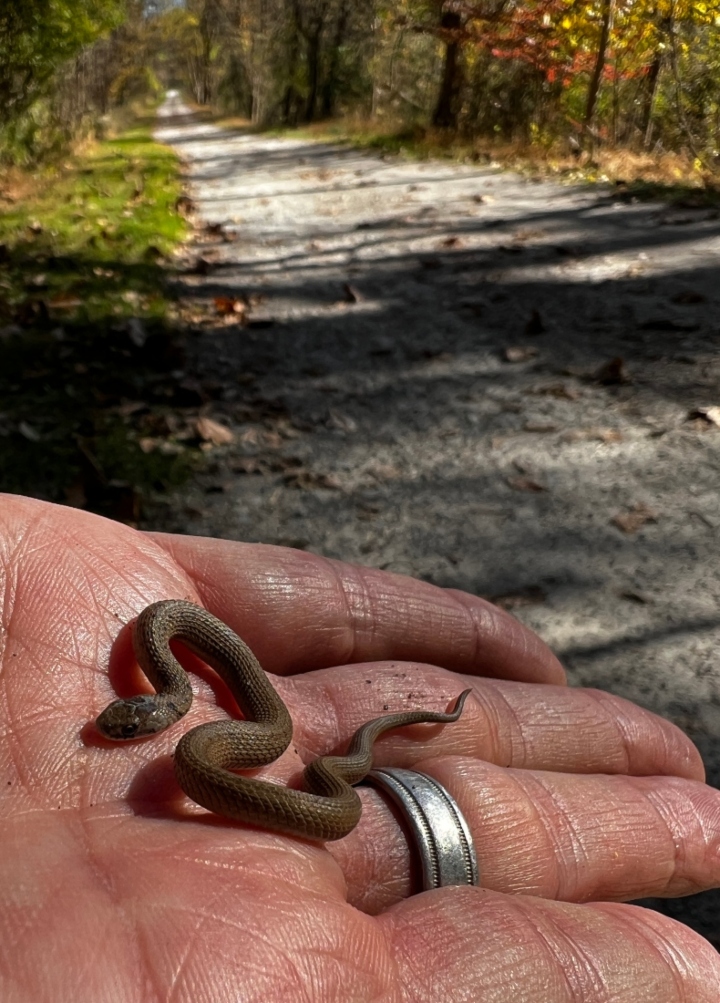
[86, 338]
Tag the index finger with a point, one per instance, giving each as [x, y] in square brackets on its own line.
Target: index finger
[298, 611]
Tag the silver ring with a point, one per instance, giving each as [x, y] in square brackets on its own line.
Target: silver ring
[441, 834]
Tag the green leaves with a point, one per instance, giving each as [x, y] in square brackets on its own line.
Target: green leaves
[38, 36]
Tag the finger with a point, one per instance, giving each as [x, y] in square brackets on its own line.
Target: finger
[299, 611]
[460, 944]
[557, 836]
[524, 725]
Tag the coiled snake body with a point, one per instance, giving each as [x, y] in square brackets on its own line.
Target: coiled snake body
[205, 757]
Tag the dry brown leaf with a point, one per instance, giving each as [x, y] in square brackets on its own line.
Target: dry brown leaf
[525, 484]
[562, 390]
[185, 205]
[600, 434]
[635, 518]
[709, 414]
[213, 433]
[64, 301]
[383, 471]
[452, 241]
[608, 435]
[632, 596]
[612, 372]
[308, 479]
[540, 426]
[520, 353]
[229, 306]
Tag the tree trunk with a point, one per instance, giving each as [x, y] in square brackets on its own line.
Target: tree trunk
[608, 10]
[330, 84]
[649, 99]
[313, 70]
[446, 110]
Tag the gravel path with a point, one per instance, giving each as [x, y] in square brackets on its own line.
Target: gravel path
[475, 378]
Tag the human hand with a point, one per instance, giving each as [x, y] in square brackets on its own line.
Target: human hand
[113, 887]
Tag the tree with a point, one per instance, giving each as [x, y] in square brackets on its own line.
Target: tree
[39, 36]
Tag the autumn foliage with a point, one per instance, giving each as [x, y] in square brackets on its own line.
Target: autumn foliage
[638, 73]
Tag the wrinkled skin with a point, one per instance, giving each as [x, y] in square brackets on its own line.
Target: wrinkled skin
[113, 887]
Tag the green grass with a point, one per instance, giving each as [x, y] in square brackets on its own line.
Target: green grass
[81, 255]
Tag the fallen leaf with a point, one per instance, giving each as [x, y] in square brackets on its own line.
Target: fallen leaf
[709, 414]
[539, 426]
[525, 484]
[634, 518]
[342, 422]
[64, 301]
[213, 433]
[600, 434]
[452, 241]
[226, 306]
[520, 353]
[307, 479]
[185, 205]
[561, 390]
[632, 596]
[202, 266]
[612, 372]
[383, 471]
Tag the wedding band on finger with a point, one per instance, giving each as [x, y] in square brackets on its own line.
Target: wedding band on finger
[440, 833]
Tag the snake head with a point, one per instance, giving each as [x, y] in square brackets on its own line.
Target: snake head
[136, 717]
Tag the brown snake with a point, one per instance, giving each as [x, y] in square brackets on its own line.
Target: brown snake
[205, 757]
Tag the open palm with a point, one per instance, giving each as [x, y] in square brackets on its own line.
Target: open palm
[113, 887]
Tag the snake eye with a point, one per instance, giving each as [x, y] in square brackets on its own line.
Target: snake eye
[128, 730]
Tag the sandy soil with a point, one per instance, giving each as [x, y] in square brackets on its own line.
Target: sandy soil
[475, 378]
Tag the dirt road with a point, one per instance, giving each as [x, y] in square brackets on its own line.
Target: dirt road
[475, 378]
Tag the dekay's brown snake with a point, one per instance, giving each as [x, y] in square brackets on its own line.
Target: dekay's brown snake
[206, 756]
